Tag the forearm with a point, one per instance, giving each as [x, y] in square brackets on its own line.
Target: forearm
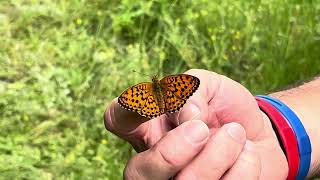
[305, 102]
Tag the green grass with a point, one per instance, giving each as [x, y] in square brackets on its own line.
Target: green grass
[62, 62]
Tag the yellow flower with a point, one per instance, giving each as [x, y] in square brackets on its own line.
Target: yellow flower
[237, 35]
[178, 20]
[79, 21]
[225, 56]
[103, 141]
[195, 15]
[190, 27]
[204, 12]
[213, 38]
[109, 53]
[25, 117]
[162, 55]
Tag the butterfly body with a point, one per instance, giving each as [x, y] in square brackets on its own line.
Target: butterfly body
[166, 95]
[156, 90]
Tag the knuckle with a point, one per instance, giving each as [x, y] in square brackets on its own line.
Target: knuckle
[226, 152]
[187, 175]
[250, 158]
[165, 159]
[108, 118]
[218, 171]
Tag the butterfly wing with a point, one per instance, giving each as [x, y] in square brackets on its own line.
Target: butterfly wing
[172, 102]
[140, 98]
[151, 108]
[177, 89]
[135, 97]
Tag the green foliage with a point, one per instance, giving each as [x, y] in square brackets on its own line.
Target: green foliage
[62, 62]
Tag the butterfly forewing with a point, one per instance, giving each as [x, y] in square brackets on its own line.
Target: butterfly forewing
[177, 89]
[181, 85]
[135, 97]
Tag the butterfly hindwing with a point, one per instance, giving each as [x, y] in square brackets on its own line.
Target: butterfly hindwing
[151, 108]
[172, 103]
[135, 97]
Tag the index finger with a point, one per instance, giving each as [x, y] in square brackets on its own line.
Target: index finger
[122, 122]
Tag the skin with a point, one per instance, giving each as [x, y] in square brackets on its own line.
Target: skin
[304, 101]
[220, 133]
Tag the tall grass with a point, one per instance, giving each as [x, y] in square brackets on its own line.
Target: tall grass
[62, 62]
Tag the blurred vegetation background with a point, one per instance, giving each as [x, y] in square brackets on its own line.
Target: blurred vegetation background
[62, 62]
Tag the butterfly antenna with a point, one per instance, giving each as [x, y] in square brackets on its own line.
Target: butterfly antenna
[141, 73]
[159, 65]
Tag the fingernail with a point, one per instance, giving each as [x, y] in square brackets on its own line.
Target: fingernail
[196, 131]
[249, 146]
[236, 131]
[189, 112]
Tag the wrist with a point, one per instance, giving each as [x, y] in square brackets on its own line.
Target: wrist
[304, 101]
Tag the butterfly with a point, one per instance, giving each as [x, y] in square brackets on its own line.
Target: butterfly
[152, 99]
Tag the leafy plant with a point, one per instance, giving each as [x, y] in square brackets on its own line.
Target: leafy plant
[62, 62]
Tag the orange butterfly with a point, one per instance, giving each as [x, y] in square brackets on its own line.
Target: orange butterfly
[166, 95]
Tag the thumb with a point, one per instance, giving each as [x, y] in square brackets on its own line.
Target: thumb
[174, 151]
[195, 108]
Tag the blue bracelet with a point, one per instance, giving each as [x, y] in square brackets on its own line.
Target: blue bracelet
[304, 144]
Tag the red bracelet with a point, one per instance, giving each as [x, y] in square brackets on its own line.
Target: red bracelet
[286, 134]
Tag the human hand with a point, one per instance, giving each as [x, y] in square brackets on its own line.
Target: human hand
[235, 140]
